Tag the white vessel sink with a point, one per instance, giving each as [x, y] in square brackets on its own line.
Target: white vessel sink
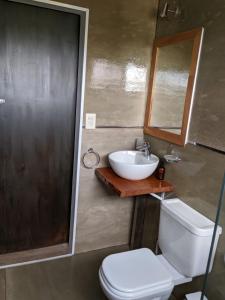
[133, 165]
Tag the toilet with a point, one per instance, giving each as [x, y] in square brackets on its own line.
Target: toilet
[184, 239]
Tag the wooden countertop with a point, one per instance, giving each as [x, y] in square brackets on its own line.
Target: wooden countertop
[128, 188]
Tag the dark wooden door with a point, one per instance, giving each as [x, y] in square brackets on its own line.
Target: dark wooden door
[38, 75]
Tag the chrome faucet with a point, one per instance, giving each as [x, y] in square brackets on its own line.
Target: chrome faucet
[145, 147]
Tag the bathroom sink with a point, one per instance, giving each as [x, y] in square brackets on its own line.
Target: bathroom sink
[133, 165]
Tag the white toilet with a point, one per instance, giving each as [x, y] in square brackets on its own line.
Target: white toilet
[184, 239]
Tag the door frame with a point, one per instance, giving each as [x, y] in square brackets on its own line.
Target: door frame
[82, 58]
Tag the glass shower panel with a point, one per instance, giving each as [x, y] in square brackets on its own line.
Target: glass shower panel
[214, 282]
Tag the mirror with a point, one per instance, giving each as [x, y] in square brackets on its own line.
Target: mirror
[173, 75]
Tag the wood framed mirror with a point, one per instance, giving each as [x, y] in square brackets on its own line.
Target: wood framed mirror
[174, 68]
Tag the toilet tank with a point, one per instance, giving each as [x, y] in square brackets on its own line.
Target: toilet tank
[185, 237]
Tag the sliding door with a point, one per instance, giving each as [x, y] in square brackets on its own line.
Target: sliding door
[38, 88]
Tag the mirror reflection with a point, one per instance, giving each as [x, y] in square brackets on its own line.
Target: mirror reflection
[170, 86]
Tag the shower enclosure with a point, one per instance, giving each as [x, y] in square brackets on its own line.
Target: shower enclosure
[214, 283]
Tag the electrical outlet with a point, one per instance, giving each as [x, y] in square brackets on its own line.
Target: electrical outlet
[90, 121]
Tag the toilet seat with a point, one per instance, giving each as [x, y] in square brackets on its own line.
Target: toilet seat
[135, 274]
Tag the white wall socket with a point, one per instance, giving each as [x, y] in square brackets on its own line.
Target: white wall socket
[90, 121]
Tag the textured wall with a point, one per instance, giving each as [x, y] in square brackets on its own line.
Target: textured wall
[119, 47]
[208, 121]
[119, 51]
[198, 177]
[103, 218]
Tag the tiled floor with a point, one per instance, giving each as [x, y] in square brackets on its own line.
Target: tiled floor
[73, 278]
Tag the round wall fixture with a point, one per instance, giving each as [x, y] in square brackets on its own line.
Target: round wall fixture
[90, 159]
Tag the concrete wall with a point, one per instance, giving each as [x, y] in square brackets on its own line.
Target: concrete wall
[119, 51]
[103, 218]
[198, 177]
[197, 180]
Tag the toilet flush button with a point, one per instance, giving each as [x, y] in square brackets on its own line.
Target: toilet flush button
[2, 101]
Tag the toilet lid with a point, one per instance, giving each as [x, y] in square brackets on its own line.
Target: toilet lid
[136, 270]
